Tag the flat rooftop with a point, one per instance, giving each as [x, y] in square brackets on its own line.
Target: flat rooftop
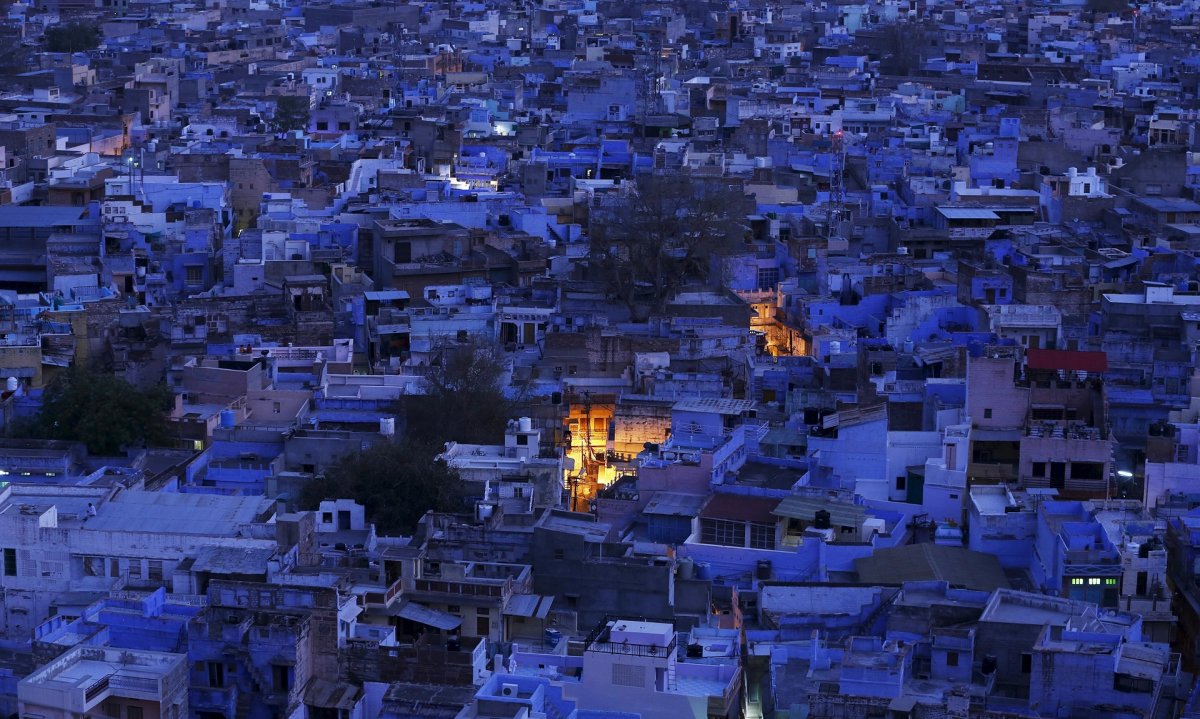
[159, 512]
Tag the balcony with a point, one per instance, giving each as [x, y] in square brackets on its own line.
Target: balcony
[476, 588]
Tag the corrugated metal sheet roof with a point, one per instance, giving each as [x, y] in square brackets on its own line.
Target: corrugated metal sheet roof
[967, 213]
[528, 605]
[422, 614]
[806, 508]
[924, 562]
[675, 504]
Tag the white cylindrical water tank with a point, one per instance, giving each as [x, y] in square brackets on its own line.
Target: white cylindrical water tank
[12, 384]
[687, 568]
[387, 426]
[835, 347]
[526, 424]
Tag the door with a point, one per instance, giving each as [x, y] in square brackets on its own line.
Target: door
[1058, 475]
[343, 521]
[528, 338]
[483, 626]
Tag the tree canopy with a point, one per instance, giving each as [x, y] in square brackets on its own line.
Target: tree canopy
[1107, 6]
[649, 242]
[73, 37]
[464, 398]
[101, 410]
[291, 113]
[396, 480]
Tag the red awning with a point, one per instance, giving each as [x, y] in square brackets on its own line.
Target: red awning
[1067, 360]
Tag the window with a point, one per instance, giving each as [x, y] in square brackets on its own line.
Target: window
[195, 275]
[282, 678]
[951, 659]
[1127, 683]
[1058, 474]
[111, 709]
[762, 536]
[901, 483]
[987, 413]
[216, 674]
[135, 568]
[322, 126]
[559, 555]
[155, 570]
[723, 532]
[453, 609]
[1039, 469]
[628, 675]
[327, 517]
[1026, 663]
[1047, 414]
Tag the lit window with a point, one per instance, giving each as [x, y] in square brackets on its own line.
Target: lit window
[1093, 580]
[1077, 581]
[1110, 581]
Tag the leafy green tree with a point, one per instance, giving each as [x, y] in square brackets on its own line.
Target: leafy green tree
[103, 411]
[464, 398]
[291, 113]
[396, 480]
[73, 37]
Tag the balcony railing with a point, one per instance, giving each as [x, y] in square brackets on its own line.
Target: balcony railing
[479, 588]
[96, 689]
[120, 682]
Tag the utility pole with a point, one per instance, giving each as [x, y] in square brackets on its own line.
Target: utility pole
[837, 190]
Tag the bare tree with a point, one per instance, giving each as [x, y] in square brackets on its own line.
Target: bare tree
[660, 234]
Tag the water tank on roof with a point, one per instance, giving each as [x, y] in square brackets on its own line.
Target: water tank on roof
[387, 426]
[526, 424]
[12, 384]
[687, 568]
[228, 418]
[762, 570]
